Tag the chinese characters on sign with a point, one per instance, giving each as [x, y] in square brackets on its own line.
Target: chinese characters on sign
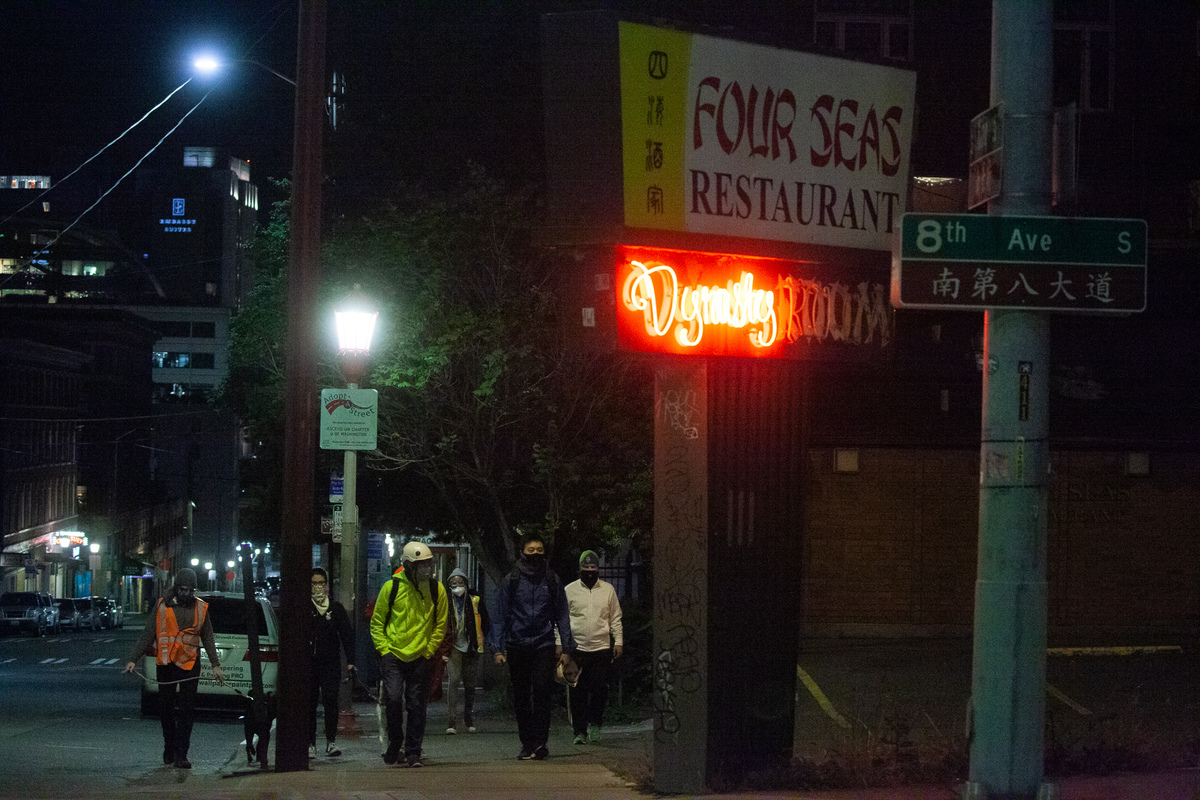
[1033, 263]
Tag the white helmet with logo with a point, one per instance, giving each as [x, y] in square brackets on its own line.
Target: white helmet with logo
[415, 551]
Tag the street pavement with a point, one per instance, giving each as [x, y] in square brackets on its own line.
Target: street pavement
[89, 741]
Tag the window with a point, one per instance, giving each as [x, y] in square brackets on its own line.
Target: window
[204, 330]
[199, 156]
[167, 360]
[1083, 54]
[203, 360]
[845, 460]
[877, 29]
[176, 328]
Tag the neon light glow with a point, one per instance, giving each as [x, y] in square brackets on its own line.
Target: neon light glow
[654, 290]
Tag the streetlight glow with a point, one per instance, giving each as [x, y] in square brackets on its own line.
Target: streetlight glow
[355, 317]
[206, 64]
[94, 547]
[195, 562]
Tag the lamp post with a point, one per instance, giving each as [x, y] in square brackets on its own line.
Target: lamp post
[354, 317]
[210, 64]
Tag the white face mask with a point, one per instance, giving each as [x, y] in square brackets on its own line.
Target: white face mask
[459, 590]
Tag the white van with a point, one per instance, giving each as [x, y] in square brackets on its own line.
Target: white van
[227, 610]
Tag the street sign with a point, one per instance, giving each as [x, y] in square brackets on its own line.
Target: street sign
[984, 177]
[973, 261]
[349, 419]
[336, 485]
[336, 533]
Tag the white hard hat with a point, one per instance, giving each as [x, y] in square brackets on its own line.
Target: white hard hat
[415, 551]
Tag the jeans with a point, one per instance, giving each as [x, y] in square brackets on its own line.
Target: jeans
[461, 667]
[326, 681]
[532, 674]
[405, 689]
[590, 695]
[177, 706]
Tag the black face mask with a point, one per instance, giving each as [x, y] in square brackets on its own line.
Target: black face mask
[535, 560]
[184, 596]
[589, 577]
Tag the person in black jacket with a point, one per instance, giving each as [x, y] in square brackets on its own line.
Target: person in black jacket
[328, 629]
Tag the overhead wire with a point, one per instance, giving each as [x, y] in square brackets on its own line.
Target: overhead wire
[98, 152]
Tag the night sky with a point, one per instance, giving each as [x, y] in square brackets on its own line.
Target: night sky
[428, 88]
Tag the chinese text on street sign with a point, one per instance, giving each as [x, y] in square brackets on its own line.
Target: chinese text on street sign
[971, 261]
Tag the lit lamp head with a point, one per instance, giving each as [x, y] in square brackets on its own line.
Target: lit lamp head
[94, 547]
[354, 316]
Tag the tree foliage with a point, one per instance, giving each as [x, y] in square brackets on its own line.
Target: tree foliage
[510, 429]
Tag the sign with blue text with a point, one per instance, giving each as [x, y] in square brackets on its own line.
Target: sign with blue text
[972, 261]
[349, 419]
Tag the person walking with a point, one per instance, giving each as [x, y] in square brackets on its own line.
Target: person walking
[178, 627]
[407, 626]
[599, 639]
[464, 630]
[529, 610]
[329, 635]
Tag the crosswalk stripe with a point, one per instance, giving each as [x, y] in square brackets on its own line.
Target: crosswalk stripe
[61, 660]
[46, 661]
[98, 661]
[8, 661]
[112, 661]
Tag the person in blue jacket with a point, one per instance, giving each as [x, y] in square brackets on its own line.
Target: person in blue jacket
[529, 606]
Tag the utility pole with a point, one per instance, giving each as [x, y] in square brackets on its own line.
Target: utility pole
[300, 414]
[1009, 656]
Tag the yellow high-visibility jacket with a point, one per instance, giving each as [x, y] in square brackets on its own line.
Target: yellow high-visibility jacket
[417, 623]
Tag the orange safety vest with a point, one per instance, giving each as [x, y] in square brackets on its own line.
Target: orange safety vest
[175, 646]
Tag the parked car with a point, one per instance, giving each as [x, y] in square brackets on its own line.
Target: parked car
[118, 614]
[69, 613]
[112, 615]
[26, 611]
[89, 614]
[229, 616]
[54, 623]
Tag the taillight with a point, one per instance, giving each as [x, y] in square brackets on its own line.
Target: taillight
[266, 652]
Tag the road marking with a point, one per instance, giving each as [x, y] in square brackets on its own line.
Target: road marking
[97, 661]
[8, 661]
[1114, 651]
[820, 697]
[61, 660]
[1058, 695]
[111, 661]
[46, 661]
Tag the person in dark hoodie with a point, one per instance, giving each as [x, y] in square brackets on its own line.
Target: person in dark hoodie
[328, 633]
[530, 605]
[465, 625]
[178, 627]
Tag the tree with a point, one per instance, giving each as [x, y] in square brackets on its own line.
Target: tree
[510, 430]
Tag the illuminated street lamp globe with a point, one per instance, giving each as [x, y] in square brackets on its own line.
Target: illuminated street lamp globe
[354, 315]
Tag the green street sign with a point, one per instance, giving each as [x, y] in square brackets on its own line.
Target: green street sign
[972, 261]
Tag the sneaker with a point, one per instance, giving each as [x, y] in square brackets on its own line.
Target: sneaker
[580, 738]
[391, 756]
[182, 762]
[525, 755]
[593, 733]
[541, 754]
[312, 751]
[415, 761]
[470, 728]
[331, 750]
[451, 731]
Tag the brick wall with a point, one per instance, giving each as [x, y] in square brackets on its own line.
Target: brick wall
[892, 546]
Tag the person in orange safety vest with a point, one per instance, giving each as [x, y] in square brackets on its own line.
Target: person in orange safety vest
[178, 627]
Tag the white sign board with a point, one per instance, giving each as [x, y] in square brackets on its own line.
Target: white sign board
[349, 419]
[725, 137]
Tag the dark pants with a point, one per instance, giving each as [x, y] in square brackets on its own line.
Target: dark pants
[590, 695]
[532, 674]
[464, 668]
[405, 688]
[326, 682]
[177, 706]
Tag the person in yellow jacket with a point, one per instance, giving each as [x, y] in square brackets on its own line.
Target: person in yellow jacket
[408, 624]
[179, 626]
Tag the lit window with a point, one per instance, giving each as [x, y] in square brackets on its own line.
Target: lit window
[845, 460]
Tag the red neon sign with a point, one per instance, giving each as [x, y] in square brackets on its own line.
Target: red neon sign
[691, 303]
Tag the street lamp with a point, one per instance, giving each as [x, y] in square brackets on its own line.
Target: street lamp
[209, 64]
[354, 316]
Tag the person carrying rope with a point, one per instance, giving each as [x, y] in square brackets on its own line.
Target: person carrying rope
[178, 626]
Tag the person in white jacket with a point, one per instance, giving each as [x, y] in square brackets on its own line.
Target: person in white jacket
[596, 626]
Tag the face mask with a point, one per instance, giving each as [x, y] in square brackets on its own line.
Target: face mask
[459, 591]
[535, 560]
[423, 570]
[184, 596]
[318, 592]
[589, 577]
